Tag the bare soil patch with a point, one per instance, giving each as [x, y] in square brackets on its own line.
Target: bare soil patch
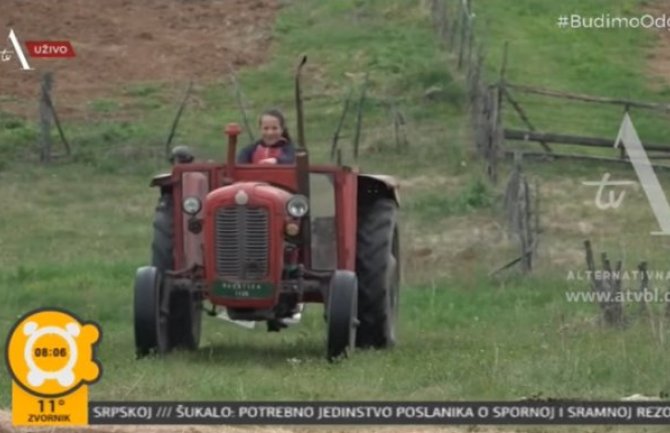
[121, 42]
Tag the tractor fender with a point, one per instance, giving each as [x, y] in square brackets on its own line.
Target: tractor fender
[372, 186]
[164, 181]
[194, 184]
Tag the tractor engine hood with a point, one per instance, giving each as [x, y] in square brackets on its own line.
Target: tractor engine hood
[247, 193]
[243, 244]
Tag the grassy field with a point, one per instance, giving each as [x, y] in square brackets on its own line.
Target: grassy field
[602, 62]
[72, 235]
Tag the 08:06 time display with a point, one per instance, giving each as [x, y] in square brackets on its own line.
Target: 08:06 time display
[43, 352]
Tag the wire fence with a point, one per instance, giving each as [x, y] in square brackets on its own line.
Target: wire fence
[507, 117]
[379, 120]
[370, 120]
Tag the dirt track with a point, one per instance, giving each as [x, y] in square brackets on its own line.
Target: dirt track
[119, 42]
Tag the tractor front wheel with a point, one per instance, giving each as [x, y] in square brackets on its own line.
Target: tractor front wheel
[341, 313]
[378, 271]
[151, 319]
[185, 319]
[185, 309]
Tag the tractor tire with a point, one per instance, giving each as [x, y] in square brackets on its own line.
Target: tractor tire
[185, 315]
[162, 245]
[378, 271]
[185, 320]
[341, 312]
[150, 322]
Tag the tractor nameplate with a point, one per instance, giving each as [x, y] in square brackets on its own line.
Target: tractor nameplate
[230, 289]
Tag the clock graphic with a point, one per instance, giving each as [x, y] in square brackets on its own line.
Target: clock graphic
[36, 374]
[50, 352]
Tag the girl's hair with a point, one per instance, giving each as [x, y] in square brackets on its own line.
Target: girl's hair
[282, 121]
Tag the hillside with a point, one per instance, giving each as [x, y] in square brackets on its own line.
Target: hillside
[122, 43]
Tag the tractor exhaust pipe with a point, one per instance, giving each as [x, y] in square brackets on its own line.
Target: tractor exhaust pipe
[232, 131]
[298, 103]
[302, 160]
[302, 157]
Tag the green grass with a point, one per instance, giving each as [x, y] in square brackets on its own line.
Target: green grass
[72, 234]
[104, 105]
[602, 62]
[438, 205]
[466, 349]
[597, 61]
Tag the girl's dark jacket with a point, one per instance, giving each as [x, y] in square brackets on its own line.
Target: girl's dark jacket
[283, 150]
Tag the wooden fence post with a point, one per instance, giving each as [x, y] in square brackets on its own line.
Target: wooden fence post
[454, 28]
[497, 135]
[180, 110]
[434, 12]
[336, 136]
[45, 118]
[503, 71]
[440, 18]
[401, 142]
[521, 214]
[478, 102]
[609, 286]
[359, 116]
[465, 30]
[47, 113]
[471, 36]
[644, 287]
[493, 141]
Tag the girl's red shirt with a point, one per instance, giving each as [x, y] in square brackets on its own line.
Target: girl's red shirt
[283, 150]
[264, 152]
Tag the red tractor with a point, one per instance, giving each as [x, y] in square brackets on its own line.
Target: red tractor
[260, 240]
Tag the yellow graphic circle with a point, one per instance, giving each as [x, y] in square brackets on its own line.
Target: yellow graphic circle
[50, 352]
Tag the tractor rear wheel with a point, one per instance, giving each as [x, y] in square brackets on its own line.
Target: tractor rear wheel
[185, 311]
[163, 242]
[151, 320]
[378, 271]
[341, 313]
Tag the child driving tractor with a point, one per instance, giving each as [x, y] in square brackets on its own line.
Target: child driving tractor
[274, 147]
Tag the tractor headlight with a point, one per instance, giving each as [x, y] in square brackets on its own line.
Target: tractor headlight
[297, 206]
[191, 205]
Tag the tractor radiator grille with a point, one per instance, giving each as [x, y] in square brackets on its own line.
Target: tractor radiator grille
[242, 242]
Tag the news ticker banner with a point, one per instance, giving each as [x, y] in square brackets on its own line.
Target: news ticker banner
[378, 413]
